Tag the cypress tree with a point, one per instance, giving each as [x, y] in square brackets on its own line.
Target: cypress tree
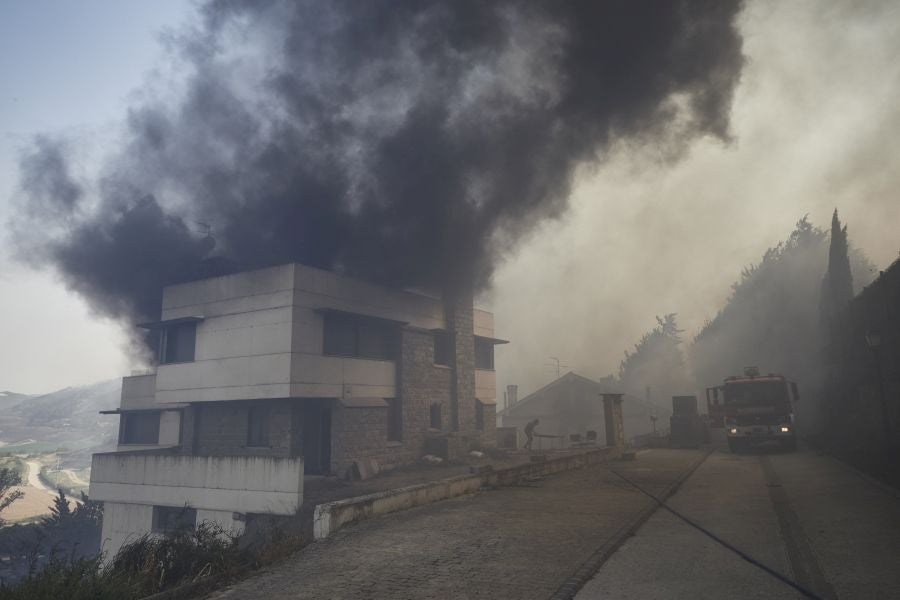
[837, 285]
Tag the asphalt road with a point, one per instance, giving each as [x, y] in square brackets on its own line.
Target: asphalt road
[808, 517]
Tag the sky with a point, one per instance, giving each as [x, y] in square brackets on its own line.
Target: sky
[66, 68]
[814, 126]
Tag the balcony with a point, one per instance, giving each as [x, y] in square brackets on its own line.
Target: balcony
[244, 484]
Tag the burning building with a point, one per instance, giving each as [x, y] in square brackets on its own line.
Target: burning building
[410, 144]
[268, 375]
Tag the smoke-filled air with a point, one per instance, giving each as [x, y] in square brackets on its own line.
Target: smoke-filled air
[408, 143]
[449, 299]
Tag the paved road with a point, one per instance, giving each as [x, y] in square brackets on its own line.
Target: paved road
[34, 479]
[515, 542]
[805, 516]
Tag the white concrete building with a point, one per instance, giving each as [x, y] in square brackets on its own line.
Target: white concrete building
[267, 375]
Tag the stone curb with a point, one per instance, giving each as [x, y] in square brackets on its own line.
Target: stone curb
[331, 516]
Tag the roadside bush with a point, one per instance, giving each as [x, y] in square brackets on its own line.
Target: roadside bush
[160, 563]
[152, 564]
[73, 579]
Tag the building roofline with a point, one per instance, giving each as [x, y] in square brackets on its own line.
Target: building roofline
[568, 376]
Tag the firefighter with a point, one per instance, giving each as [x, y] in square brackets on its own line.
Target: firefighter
[529, 432]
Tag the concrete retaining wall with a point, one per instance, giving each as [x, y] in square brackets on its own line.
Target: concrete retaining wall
[331, 516]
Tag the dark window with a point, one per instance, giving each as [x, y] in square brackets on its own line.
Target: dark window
[757, 393]
[347, 336]
[441, 348]
[394, 419]
[139, 428]
[258, 426]
[177, 343]
[376, 341]
[434, 416]
[174, 519]
[340, 336]
[479, 415]
[484, 354]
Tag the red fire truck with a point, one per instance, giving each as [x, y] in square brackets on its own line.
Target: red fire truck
[754, 408]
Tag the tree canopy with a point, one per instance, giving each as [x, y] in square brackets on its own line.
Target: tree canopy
[837, 284]
[657, 363]
[772, 318]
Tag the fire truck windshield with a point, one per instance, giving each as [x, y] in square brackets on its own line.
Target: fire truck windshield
[756, 393]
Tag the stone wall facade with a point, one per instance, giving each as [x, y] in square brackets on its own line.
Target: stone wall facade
[221, 428]
[460, 324]
[358, 433]
[488, 437]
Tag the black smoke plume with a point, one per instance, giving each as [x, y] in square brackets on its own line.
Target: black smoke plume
[405, 142]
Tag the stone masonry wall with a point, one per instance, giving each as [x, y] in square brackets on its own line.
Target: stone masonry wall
[362, 432]
[221, 429]
[357, 433]
[422, 383]
[489, 432]
[460, 320]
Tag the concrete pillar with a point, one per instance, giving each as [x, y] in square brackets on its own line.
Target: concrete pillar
[612, 418]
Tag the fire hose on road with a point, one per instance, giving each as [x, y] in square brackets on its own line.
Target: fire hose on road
[743, 555]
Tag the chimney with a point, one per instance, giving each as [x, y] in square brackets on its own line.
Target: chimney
[459, 322]
[512, 394]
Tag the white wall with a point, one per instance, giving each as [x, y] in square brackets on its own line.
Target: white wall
[139, 391]
[123, 523]
[317, 376]
[483, 322]
[246, 484]
[243, 348]
[261, 336]
[316, 288]
[485, 384]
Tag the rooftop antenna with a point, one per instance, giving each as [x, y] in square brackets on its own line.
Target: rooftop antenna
[556, 364]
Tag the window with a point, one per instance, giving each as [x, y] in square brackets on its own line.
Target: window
[442, 348]
[258, 426]
[339, 336]
[174, 519]
[375, 341]
[484, 354]
[394, 419]
[363, 338]
[479, 415]
[139, 428]
[177, 343]
[434, 416]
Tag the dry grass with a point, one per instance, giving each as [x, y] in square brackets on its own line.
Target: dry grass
[35, 503]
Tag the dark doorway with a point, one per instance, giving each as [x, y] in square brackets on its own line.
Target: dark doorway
[314, 443]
